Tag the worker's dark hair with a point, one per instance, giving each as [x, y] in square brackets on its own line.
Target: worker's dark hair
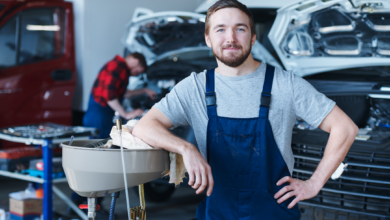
[140, 58]
[229, 4]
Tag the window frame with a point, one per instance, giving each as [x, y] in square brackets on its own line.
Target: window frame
[19, 30]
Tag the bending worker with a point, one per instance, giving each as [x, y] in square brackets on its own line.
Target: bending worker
[110, 88]
[242, 114]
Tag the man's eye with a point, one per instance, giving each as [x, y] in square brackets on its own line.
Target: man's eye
[240, 29]
[220, 30]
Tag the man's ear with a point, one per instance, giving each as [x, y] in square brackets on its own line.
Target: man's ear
[253, 39]
[207, 38]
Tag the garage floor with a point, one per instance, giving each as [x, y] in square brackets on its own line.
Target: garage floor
[182, 204]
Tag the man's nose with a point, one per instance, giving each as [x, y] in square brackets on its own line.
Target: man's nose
[231, 36]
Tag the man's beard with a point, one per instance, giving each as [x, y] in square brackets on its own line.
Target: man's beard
[232, 60]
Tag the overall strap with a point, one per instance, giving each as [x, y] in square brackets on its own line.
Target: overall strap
[211, 101]
[265, 101]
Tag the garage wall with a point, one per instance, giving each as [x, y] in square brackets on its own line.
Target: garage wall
[99, 26]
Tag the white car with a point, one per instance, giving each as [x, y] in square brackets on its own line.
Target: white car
[342, 47]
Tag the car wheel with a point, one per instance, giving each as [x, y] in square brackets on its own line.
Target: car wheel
[157, 192]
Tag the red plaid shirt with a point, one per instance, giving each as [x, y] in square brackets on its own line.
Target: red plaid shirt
[112, 81]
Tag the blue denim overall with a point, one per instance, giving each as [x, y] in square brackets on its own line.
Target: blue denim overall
[246, 163]
[99, 117]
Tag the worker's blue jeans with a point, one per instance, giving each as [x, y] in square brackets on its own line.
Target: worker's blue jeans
[99, 117]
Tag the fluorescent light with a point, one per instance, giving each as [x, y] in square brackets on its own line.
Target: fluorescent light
[202, 19]
[32, 27]
[387, 89]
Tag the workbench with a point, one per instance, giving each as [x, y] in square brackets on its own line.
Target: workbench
[47, 141]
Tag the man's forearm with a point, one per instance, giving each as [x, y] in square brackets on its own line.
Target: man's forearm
[116, 106]
[153, 129]
[340, 140]
[131, 93]
[154, 133]
[342, 134]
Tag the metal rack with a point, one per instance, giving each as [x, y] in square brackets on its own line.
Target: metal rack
[47, 144]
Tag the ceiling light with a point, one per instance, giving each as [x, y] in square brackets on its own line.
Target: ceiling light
[32, 27]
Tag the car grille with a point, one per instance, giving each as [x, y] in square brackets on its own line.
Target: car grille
[364, 188]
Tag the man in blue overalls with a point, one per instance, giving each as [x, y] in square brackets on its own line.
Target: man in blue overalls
[242, 114]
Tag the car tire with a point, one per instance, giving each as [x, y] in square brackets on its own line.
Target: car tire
[157, 192]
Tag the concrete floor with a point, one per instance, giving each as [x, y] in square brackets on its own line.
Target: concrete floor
[182, 204]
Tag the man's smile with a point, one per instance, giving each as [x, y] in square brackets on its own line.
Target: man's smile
[231, 47]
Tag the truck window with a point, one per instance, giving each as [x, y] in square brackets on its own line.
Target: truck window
[8, 43]
[41, 35]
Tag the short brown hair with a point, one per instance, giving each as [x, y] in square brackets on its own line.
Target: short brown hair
[229, 4]
[140, 57]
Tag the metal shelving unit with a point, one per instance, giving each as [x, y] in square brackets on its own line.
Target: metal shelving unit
[47, 144]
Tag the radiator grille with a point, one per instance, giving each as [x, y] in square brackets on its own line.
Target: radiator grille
[364, 188]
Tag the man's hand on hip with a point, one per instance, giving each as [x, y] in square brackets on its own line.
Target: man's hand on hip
[342, 134]
[302, 190]
[198, 170]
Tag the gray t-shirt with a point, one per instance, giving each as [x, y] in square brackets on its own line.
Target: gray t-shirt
[239, 97]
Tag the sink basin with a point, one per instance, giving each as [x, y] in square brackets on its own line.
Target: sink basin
[95, 172]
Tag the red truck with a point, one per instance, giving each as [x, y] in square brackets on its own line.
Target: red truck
[37, 62]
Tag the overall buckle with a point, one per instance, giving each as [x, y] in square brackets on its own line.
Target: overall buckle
[210, 99]
[265, 99]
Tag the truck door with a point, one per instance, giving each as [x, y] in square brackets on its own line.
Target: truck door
[37, 64]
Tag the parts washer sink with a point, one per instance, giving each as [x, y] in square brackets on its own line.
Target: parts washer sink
[95, 172]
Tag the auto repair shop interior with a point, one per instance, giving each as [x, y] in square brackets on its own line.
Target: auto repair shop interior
[73, 71]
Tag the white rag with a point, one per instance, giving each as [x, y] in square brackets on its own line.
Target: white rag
[177, 169]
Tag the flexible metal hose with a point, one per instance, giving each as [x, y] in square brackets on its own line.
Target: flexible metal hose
[114, 195]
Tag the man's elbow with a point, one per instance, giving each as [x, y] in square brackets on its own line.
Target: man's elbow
[137, 130]
[346, 128]
[353, 130]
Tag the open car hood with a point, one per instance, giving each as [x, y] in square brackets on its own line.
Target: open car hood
[202, 8]
[163, 35]
[315, 36]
